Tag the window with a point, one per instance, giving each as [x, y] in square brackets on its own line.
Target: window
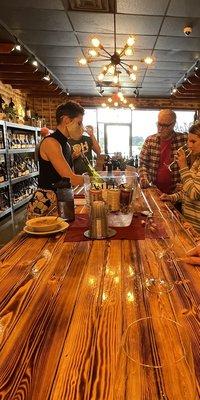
[90, 118]
[184, 120]
[114, 115]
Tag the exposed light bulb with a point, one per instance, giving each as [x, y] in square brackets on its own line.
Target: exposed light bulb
[148, 60]
[128, 51]
[93, 53]
[134, 68]
[109, 100]
[103, 105]
[174, 89]
[120, 94]
[95, 42]
[133, 76]
[116, 104]
[105, 68]
[115, 79]
[46, 77]
[130, 41]
[131, 106]
[18, 47]
[35, 63]
[111, 69]
[101, 77]
[118, 51]
[125, 101]
[82, 61]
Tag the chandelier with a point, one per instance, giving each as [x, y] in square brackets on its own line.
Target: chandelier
[115, 63]
[117, 100]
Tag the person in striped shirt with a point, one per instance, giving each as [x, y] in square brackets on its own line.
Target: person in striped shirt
[190, 179]
[158, 151]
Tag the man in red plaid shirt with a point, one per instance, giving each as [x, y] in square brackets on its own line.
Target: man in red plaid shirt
[158, 151]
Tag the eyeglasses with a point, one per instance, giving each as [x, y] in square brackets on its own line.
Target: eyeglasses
[164, 125]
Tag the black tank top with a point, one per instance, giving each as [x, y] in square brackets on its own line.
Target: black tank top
[47, 173]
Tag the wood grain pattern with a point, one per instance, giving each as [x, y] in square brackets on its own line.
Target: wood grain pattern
[64, 308]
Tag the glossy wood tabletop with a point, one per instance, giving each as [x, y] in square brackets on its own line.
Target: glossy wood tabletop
[65, 306]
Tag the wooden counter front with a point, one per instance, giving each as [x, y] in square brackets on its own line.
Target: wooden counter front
[64, 307]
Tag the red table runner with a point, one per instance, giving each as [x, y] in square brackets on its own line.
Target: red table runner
[135, 231]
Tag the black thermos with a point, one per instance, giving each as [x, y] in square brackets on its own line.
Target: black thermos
[65, 199]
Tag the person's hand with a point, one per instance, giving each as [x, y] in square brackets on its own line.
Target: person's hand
[165, 197]
[181, 159]
[193, 256]
[144, 183]
[89, 131]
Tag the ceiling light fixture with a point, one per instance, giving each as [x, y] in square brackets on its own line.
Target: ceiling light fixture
[18, 47]
[197, 65]
[173, 89]
[34, 62]
[115, 62]
[117, 100]
[46, 76]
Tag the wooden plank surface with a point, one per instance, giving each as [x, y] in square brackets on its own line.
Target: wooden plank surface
[64, 309]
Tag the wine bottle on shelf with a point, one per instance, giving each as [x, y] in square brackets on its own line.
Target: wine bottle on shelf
[4, 200]
[2, 174]
[11, 104]
[96, 179]
[26, 143]
[1, 139]
[4, 170]
[27, 116]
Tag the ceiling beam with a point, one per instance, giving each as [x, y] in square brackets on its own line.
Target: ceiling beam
[6, 48]
[20, 77]
[13, 59]
[18, 69]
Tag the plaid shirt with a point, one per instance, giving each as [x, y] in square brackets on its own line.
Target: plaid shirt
[150, 156]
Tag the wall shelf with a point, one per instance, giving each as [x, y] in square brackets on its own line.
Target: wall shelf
[3, 213]
[2, 151]
[17, 151]
[22, 202]
[4, 184]
[10, 129]
[24, 177]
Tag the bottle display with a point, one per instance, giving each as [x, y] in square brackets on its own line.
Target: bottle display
[18, 139]
[23, 190]
[65, 199]
[22, 165]
[18, 168]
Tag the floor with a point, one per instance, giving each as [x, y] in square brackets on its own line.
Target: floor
[9, 226]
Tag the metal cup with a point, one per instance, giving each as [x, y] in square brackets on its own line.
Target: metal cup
[98, 220]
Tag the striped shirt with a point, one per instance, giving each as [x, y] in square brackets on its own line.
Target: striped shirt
[190, 194]
[150, 157]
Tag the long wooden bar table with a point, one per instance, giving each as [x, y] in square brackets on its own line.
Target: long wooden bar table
[64, 307]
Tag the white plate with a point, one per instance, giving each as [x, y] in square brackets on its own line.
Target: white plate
[64, 225]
